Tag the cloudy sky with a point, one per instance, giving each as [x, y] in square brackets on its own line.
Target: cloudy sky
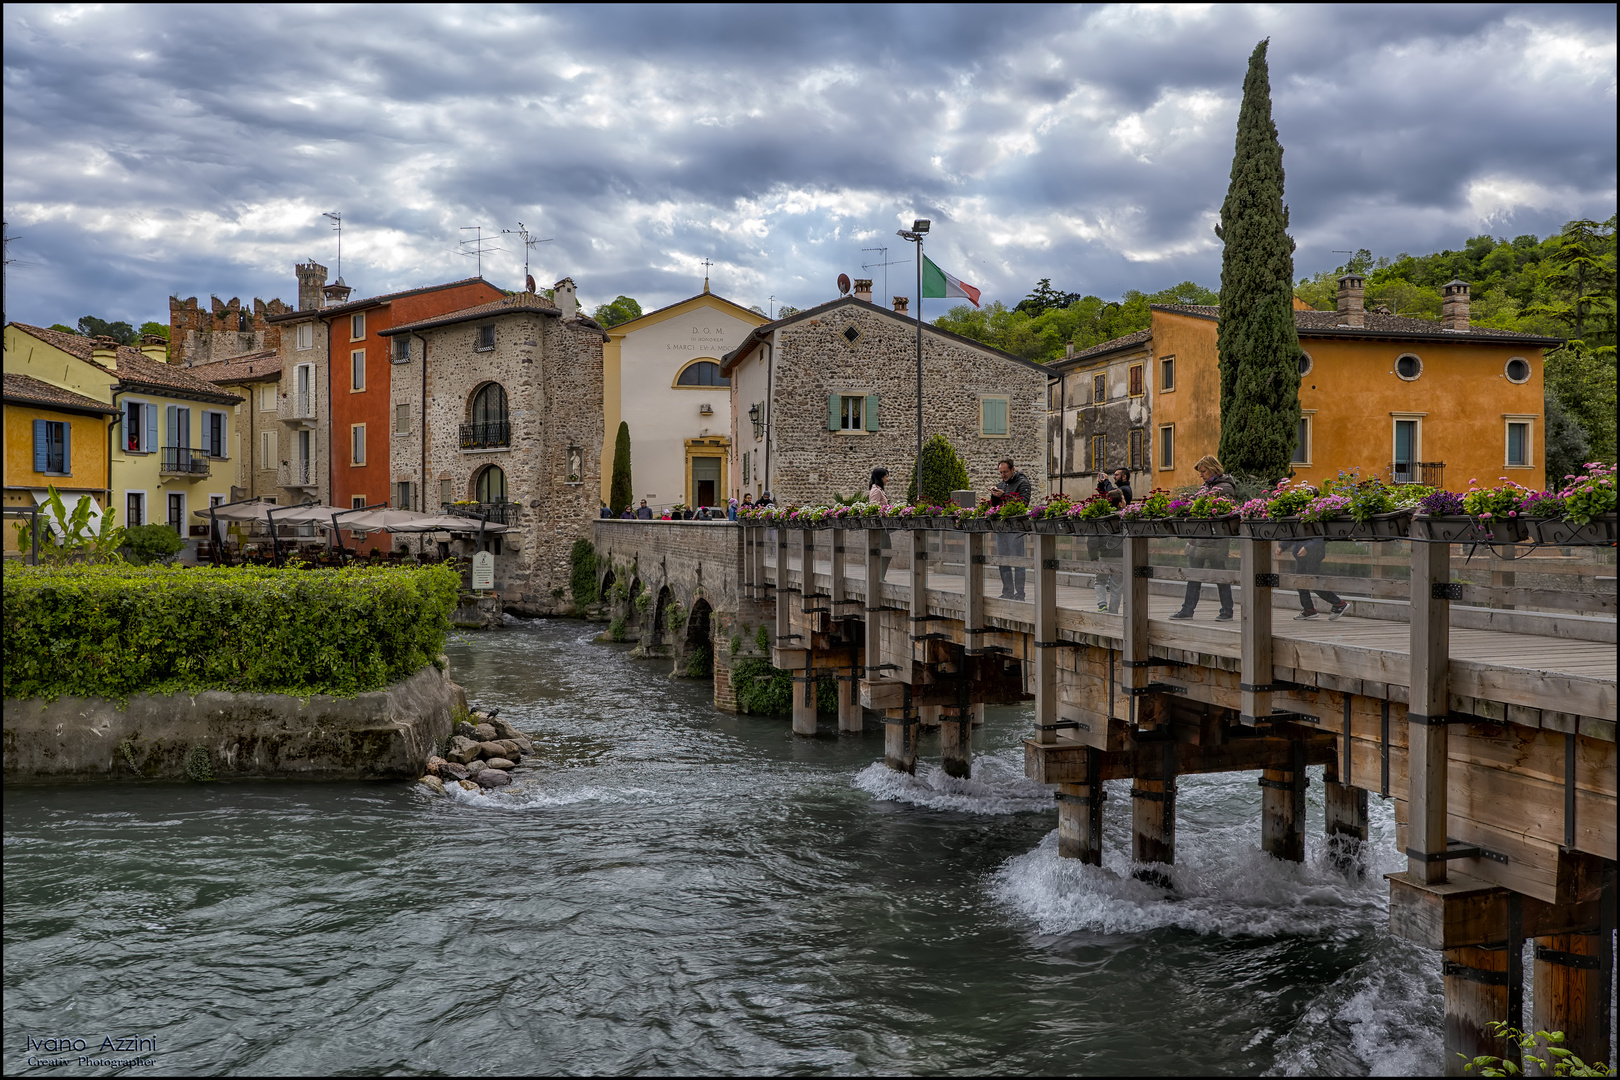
[191, 150]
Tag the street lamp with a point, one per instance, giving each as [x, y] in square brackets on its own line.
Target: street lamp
[914, 235]
[753, 417]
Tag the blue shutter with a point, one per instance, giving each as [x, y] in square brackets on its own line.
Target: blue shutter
[170, 429]
[871, 412]
[67, 449]
[40, 458]
[150, 414]
[184, 415]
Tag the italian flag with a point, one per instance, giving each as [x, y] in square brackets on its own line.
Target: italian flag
[937, 283]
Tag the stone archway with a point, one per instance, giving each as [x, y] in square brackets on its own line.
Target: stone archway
[694, 649]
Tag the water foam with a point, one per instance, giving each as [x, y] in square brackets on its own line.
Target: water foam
[527, 797]
[993, 789]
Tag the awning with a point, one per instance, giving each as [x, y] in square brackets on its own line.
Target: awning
[448, 523]
[294, 514]
[70, 503]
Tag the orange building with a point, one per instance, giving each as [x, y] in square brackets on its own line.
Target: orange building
[359, 390]
[1406, 400]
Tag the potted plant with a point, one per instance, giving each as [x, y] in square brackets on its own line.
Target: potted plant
[1276, 516]
[1203, 514]
[1010, 516]
[1496, 512]
[1440, 516]
[1150, 517]
[1053, 517]
[1588, 510]
[1095, 516]
[973, 518]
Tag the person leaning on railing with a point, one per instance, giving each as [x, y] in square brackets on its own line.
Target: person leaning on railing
[1209, 554]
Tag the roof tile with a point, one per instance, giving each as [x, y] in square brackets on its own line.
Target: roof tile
[133, 367]
[26, 388]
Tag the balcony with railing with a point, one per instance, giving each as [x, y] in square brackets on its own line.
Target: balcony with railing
[499, 513]
[297, 408]
[296, 474]
[489, 435]
[183, 461]
[1428, 473]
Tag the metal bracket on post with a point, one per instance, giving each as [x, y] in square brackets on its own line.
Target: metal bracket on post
[1452, 969]
[1155, 688]
[979, 560]
[1154, 661]
[1049, 564]
[1568, 959]
[1445, 590]
[1284, 785]
[1456, 850]
[1061, 644]
[1142, 571]
[1268, 581]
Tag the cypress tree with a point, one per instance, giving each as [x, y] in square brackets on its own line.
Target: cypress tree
[620, 493]
[942, 473]
[1257, 340]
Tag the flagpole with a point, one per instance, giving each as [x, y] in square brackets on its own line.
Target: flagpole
[918, 466]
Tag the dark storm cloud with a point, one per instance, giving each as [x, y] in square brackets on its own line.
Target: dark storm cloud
[191, 150]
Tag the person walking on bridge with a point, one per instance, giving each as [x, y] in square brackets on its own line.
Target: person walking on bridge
[1209, 554]
[878, 496]
[1014, 487]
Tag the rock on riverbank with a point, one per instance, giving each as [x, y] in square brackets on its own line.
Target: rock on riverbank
[480, 755]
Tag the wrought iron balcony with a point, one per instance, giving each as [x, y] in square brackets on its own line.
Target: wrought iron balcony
[183, 461]
[1428, 473]
[492, 434]
[297, 408]
[296, 474]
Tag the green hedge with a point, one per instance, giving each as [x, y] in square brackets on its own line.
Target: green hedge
[113, 631]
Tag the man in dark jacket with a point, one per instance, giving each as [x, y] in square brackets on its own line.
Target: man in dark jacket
[1209, 554]
[644, 512]
[1122, 484]
[1309, 553]
[1014, 487]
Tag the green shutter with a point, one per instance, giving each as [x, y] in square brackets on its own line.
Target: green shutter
[995, 416]
[832, 412]
[871, 412]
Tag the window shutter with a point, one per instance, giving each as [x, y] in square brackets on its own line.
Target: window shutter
[871, 412]
[67, 448]
[170, 428]
[40, 456]
[151, 439]
[833, 402]
[185, 426]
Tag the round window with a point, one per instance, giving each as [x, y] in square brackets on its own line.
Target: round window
[1305, 364]
[1408, 367]
[1518, 370]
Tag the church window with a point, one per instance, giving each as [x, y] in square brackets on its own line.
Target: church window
[491, 486]
[702, 373]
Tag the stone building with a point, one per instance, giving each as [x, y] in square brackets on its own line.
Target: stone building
[821, 397]
[663, 379]
[1402, 399]
[496, 409]
[257, 431]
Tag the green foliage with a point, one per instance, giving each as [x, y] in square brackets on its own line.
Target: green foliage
[122, 332]
[200, 764]
[1582, 381]
[616, 630]
[674, 617]
[582, 575]
[644, 602]
[1256, 340]
[1543, 1052]
[126, 750]
[159, 329]
[77, 543]
[151, 543]
[113, 631]
[1043, 335]
[699, 662]
[1567, 447]
[736, 644]
[621, 310]
[761, 689]
[942, 473]
[620, 493]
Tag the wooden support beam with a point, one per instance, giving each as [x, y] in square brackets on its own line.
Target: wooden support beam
[851, 717]
[1046, 626]
[1080, 813]
[807, 569]
[747, 568]
[762, 581]
[1476, 984]
[1254, 630]
[1153, 807]
[1567, 973]
[838, 540]
[956, 743]
[975, 633]
[1427, 705]
[900, 740]
[928, 716]
[1469, 911]
[874, 600]
[804, 698]
[1345, 813]
[1135, 673]
[1282, 807]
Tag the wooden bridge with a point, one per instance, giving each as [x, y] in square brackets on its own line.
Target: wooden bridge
[1475, 688]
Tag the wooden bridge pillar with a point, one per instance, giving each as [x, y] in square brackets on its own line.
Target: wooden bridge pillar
[1046, 635]
[1427, 706]
[973, 628]
[1477, 981]
[1346, 821]
[956, 743]
[1153, 806]
[1254, 630]
[1136, 673]
[1282, 806]
[900, 732]
[1080, 814]
[1572, 994]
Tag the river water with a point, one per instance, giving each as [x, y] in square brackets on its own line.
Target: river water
[680, 890]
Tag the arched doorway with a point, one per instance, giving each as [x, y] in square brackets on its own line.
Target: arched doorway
[694, 657]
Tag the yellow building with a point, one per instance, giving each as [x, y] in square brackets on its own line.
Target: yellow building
[1402, 399]
[169, 448]
[661, 375]
[53, 438]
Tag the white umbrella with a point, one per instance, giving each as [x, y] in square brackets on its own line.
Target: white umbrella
[386, 518]
[447, 523]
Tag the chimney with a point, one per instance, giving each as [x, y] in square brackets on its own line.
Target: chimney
[104, 351]
[1352, 310]
[1068, 350]
[863, 289]
[311, 277]
[1454, 305]
[155, 347]
[564, 297]
[901, 303]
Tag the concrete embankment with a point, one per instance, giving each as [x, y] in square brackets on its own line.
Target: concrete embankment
[381, 734]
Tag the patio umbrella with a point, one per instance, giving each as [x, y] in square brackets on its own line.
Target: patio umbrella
[387, 519]
[446, 523]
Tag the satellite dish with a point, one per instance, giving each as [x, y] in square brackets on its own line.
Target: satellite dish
[843, 284]
[528, 282]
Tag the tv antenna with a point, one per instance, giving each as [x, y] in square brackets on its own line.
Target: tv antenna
[336, 217]
[5, 270]
[478, 246]
[529, 244]
[883, 254]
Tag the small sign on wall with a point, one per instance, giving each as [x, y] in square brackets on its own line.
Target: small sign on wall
[483, 571]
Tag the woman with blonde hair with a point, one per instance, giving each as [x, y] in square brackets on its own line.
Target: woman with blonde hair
[1209, 554]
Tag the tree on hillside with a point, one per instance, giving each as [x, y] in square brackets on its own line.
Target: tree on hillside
[1084, 321]
[621, 310]
[942, 473]
[122, 332]
[1256, 341]
[620, 493]
[158, 328]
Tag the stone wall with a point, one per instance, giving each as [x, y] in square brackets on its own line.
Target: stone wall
[385, 734]
[202, 337]
[815, 358]
[1077, 414]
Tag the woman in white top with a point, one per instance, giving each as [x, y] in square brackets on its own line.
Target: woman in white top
[880, 497]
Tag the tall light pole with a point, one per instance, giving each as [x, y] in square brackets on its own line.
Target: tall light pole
[915, 234]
